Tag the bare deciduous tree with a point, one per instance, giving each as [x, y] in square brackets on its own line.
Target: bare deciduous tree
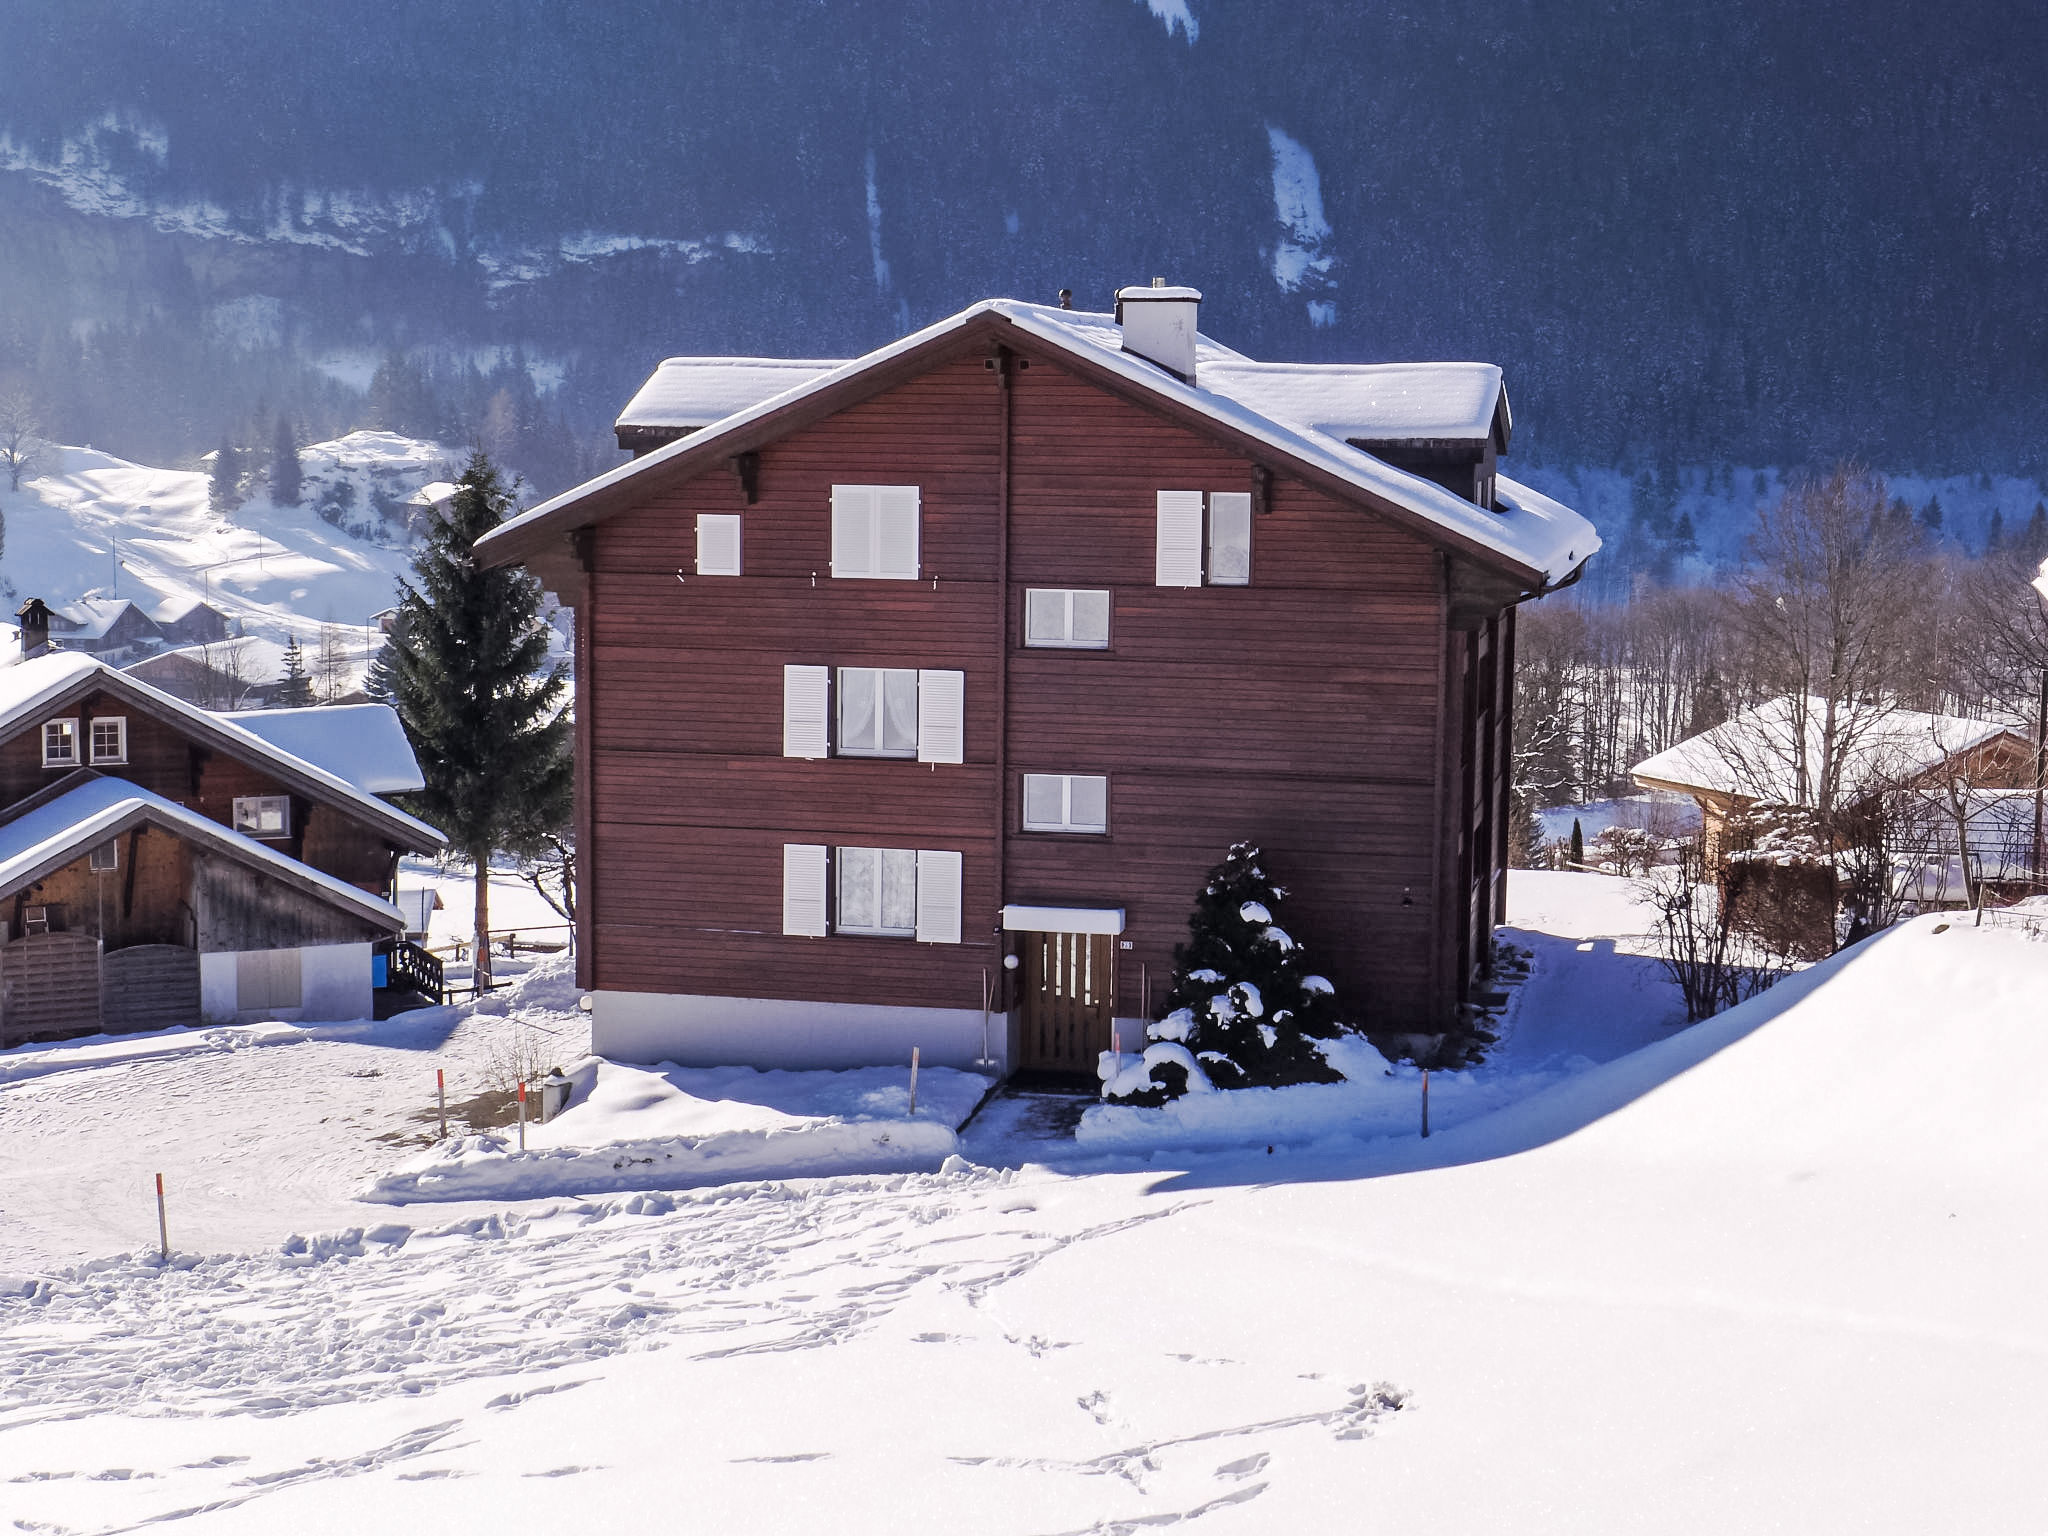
[21, 440]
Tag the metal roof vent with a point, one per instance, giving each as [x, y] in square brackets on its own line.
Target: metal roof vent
[1159, 325]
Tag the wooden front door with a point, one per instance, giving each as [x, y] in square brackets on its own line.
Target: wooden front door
[1069, 991]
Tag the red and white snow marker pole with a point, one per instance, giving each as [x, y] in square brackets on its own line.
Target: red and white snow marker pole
[1425, 1103]
[163, 1226]
[913, 1079]
[441, 1097]
[522, 1114]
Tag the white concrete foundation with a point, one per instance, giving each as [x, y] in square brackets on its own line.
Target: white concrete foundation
[334, 984]
[696, 1031]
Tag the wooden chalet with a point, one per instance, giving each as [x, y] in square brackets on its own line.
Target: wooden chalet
[917, 693]
[162, 865]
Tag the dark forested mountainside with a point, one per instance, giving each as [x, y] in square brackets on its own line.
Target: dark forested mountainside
[1753, 230]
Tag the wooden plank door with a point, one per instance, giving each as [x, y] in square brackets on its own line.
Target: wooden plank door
[1069, 990]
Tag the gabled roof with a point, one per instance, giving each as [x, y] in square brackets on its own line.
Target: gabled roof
[1373, 402]
[90, 618]
[1534, 549]
[64, 829]
[362, 743]
[32, 690]
[1756, 755]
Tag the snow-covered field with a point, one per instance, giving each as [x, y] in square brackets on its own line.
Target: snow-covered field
[1778, 1271]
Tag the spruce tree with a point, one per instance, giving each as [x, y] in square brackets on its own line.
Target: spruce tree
[466, 676]
[224, 488]
[1578, 845]
[1932, 517]
[295, 689]
[1244, 1004]
[1994, 532]
[286, 478]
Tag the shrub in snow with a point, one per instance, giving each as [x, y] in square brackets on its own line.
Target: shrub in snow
[1245, 1010]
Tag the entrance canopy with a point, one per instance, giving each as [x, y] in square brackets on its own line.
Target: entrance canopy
[1063, 919]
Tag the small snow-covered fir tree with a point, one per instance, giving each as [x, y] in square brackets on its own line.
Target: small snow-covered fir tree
[1245, 1010]
[295, 688]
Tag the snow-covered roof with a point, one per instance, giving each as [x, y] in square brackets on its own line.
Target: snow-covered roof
[55, 833]
[1552, 542]
[693, 392]
[362, 743]
[91, 617]
[172, 609]
[29, 687]
[1758, 755]
[1372, 402]
[432, 494]
[1157, 291]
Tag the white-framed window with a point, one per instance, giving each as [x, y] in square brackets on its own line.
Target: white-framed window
[110, 739]
[882, 712]
[263, 815]
[877, 712]
[60, 743]
[1204, 538]
[1065, 617]
[104, 859]
[877, 891]
[718, 543]
[1066, 802]
[875, 532]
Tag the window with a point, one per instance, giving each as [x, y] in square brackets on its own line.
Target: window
[875, 531]
[60, 743]
[103, 859]
[1182, 516]
[267, 978]
[878, 891]
[1066, 802]
[263, 815]
[110, 739]
[1055, 616]
[718, 544]
[883, 712]
[897, 892]
[877, 712]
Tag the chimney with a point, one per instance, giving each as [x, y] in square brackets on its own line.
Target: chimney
[35, 627]
[1159, 325]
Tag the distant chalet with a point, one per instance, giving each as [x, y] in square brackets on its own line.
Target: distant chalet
[937, 678]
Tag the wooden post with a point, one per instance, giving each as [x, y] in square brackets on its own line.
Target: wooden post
[522, 1114]
[163, 1226]
[441, 1096]
[1425, 1103]
[913, 1080]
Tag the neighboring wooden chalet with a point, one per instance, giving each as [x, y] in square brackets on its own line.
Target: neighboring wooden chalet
[1773, 755]
[115, 629]
[977, 652]
[160, 864]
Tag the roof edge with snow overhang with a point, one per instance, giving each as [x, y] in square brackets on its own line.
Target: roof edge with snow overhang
[1539, 551]
[43, 683]
[64, 829]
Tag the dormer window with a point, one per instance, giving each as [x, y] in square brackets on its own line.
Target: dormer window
[60, 743]
[109, 739]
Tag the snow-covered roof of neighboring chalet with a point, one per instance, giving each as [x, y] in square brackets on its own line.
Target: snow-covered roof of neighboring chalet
[693, 392]
[1551, 543]
[362, 743]
[1756, 755]
[91, 617]
[432, 494]
[27, 688]
[60, 830]
[1368, 402]
[172, 609]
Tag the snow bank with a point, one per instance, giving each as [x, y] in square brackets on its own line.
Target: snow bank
[669, 1127]
[1375, 1100]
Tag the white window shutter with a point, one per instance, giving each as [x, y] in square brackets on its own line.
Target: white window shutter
[803, 889]
[896, 531]
[718, 544]
[1230, 538]
[853, 530]
[938, 897]
[1179, 558]
[942, 717]
[803, 711]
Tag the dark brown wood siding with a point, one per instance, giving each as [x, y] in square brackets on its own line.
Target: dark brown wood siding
[1318, 711]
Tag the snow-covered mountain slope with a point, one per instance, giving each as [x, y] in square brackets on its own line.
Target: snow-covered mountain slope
[94, 525]
[1779, 1271]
